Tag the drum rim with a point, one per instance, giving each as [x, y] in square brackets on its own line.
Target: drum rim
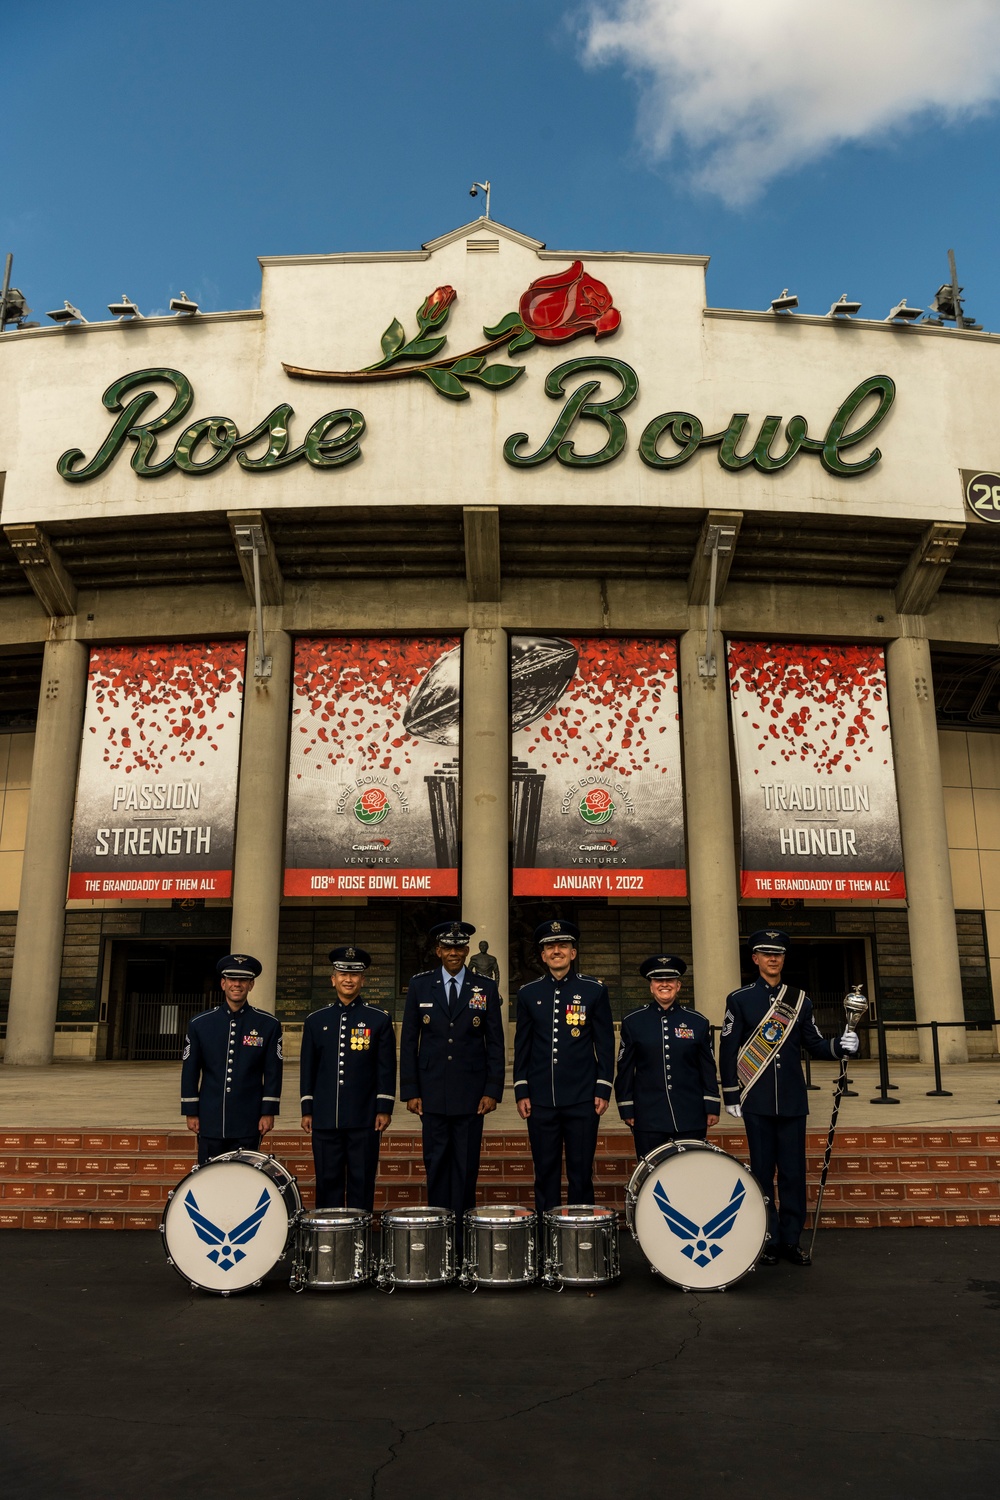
[424, 1214]
[354, 1218]
[587, 1213]
[500, 1213]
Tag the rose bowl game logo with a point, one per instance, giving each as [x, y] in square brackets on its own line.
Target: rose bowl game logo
[372, 806]
[597, 806]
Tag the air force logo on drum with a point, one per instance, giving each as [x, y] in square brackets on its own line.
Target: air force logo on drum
[702, 1251]
[226, 1252]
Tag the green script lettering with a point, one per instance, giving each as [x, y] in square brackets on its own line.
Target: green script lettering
[580, 405]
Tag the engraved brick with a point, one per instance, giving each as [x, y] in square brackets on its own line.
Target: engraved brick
[989, 1216]
[880, 1140]
[106, 1221]
[153, 1143]
[175, 1167]
[112, 1192]
[10, 1220]
[896, 1219]
[42, 1142]
[141, 1221]
[121, 1166]
[31, 1165]
[517, 1167]
[67, 1142]
[960, 1219]
[939, 1164]
[973, 1163]
[62, 1166]
[40, 1220]
[953, 1190]
[920, 1192]
[984, 1138]
[97, 1143]
[74, 1220]
[78, 1191]
[142, 1192]
[852, 1140]
[19, 1190]
[861, 1221]
[124, 1143]
[491, 1169]
[984, 1189]
[90, 1164]
[394, 1168]
[859, 1192]
[889, 1192]
[883, 1165]
[929, 1218]
[11, 1142]
[150, 1167]
[904, 1142]
[963, 1138]
[910, 1164]
[937, 1138]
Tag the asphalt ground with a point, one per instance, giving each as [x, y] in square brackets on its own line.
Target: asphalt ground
[874, 1373]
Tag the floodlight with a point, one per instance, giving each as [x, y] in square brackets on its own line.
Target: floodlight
[67, 314]
[183, 304]
[784, 303]
[844, 309]
[125, 309]
[903, 314]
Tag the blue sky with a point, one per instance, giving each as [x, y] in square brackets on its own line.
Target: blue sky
[153, 148]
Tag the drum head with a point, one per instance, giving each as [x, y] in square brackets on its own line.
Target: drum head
[700, 1218]
[226, 1225]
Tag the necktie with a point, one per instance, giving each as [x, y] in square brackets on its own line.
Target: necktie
[452, 997]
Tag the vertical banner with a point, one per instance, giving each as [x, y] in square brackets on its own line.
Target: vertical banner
[156, 796]
[817, 787]
[596, 793]
[373, 770]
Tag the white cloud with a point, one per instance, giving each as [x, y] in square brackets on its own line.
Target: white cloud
[751, 88]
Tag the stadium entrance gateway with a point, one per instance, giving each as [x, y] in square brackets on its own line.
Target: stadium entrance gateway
[495, 643]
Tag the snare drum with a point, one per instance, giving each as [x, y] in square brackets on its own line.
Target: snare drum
[418, 1248]
[698, 1215]
[333, 1250]
[501, 1245]
[228, 1223]
[581, 1245]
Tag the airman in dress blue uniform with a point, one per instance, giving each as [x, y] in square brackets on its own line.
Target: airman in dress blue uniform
[564, 1052]
[348, 1083]
[451, 1067]
[231, 1072]
[666, 1087]
[768, 1090]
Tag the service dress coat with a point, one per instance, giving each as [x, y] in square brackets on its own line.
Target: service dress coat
[666, 1077]
[231, 1070]
[347, 1071]
[450, 1062]
[780, 1088]
[564, 1042]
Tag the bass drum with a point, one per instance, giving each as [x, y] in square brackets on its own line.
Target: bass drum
[227, 1224]
[698, 1215]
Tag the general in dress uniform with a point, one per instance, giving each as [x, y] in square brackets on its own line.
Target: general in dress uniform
[760, 1057]
[348, 1085]
[451, 1067]
[564, 1052]
[666, 1086]
[231, 1072]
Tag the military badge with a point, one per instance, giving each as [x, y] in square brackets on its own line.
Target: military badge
[576, 1015]
[476, 1021]
[427, 1020]
[361, 1039]
[253, 1039]
[477, 1000]
[771, 1031]
[685, 1033]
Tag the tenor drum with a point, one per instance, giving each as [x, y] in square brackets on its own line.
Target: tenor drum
[501, 1246]
[228, 1223]
[581, 1245]
[698, 1215]
[418, 1248]
[334, 1250]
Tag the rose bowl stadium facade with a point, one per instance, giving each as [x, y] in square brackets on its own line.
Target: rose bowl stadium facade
[501, 580]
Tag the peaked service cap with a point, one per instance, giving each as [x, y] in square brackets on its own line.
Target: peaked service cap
[350, 960]
[557, 931]
[452, 934]
[663, 966]
[238, 966]
[769, 940]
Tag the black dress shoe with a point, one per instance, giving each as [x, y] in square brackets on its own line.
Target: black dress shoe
[796, 1255]
[770, 1255]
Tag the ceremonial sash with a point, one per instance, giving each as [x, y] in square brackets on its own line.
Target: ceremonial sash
[769, 1038]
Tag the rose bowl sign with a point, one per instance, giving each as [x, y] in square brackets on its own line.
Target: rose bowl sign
[373, 767]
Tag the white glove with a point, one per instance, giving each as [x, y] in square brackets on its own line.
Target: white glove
[849, 1043]
[734, 1109]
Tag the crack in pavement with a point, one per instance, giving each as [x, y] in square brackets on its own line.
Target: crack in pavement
[407, 1432]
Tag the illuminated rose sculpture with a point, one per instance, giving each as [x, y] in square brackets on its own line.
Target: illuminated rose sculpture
[552, 310]
[560, 307]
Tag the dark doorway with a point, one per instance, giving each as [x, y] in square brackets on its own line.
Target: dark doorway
[155, 989]
[825, 969]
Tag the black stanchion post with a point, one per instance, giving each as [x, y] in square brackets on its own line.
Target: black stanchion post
[883, 1066]
[937, 1092]
[809, 1075]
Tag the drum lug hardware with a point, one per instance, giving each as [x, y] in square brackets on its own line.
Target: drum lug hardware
[169, 1196]
[195, 1287]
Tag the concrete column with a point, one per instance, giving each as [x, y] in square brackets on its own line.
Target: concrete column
[34, 987]
[486, 785]
[937, 980]
[712, 886]
[258, 865]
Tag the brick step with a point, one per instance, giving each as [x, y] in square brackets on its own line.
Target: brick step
[937, 1218]
[617, 1166]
